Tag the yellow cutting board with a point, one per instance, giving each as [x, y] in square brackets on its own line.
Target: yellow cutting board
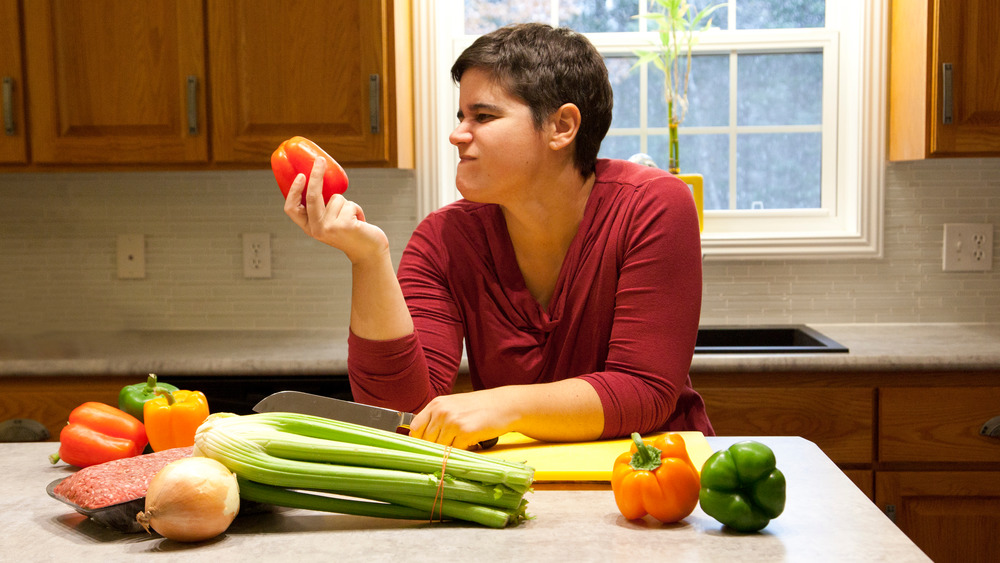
[581, 461]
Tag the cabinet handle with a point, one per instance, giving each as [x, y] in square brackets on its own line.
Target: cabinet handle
[373, 102]
[991, 427]
[946, 99]
[8, 106]
[192, 104]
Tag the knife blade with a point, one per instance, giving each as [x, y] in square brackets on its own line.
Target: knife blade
[339, 409]
[336, 409]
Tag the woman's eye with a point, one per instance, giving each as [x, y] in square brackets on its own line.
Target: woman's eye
[482, 117]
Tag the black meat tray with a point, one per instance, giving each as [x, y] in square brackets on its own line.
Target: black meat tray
[119, 516]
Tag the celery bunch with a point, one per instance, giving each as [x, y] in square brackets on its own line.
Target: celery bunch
[309, 462]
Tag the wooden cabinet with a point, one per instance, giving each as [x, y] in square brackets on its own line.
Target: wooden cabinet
[840, 421]
[279, 69]
[116, 82]
[13, 141]
[950, 515]
[937, 424]
[944, 79]
[837, 413]
[49, 400]
[938, 477]
[196, 82]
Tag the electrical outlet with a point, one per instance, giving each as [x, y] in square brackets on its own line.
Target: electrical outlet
[256, 255]
[131, 255]
[968, 247]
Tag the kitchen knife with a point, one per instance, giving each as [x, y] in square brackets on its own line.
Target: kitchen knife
[337, 409]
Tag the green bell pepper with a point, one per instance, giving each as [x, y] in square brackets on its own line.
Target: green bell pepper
[741, 487]
[132, 397]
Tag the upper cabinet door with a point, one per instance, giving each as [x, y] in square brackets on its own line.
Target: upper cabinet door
[944, 79]
[114, 81]
[968, 75]
[313, 68]
[13, 142]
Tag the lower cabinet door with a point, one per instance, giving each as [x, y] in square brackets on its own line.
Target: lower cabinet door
[950, 515]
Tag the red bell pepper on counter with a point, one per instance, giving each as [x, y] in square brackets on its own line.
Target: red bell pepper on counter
[296, 156]
[98, 433]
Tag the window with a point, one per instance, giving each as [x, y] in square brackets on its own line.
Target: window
[784, 119]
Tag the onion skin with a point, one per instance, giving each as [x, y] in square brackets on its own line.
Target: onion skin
[191, 499]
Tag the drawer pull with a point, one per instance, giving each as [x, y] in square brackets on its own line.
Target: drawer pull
[192, 105]
[947, 102]
[991, 428]
[8, 106]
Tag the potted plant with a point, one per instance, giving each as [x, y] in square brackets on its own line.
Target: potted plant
[678, 27]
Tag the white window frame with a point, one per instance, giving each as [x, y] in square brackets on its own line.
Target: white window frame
[849, 222]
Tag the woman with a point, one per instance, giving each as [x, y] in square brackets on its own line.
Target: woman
[575, 283]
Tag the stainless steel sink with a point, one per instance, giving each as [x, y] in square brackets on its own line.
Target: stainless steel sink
[783, 339]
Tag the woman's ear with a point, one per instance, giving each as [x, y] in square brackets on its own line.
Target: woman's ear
[565, 123]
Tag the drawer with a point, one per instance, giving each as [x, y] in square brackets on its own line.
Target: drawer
[50, 400]
[839, 420]
[937, 424]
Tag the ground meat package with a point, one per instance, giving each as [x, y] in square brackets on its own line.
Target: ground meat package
[113, 492]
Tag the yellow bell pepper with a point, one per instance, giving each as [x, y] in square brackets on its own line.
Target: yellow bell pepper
[173, 417]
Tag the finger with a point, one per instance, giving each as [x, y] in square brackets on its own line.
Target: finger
[314, 191]
[293, 202]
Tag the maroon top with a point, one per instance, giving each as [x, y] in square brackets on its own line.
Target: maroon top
[623, 317]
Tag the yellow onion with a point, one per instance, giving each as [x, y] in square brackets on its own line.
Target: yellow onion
[191, 499]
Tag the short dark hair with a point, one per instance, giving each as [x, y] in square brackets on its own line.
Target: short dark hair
[548, 67]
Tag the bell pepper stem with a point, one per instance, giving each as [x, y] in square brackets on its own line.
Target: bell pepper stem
[166, 393]
[151, 381]
[646, 456]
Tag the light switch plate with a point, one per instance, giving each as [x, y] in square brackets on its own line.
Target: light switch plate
[131, 257]
[968, 247]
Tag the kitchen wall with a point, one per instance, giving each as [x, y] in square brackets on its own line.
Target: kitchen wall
[58, 242]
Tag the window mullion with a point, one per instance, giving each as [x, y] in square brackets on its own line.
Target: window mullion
[733, 97]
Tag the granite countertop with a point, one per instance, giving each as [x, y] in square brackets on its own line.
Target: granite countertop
[826, 518]
[873, 347]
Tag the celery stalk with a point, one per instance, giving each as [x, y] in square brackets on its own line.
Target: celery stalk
[280, 455]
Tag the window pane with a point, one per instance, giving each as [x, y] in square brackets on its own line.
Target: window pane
[785, 89]
[775, 14]
[778, 171]
[588, 16]
[708, 93]
[483, 16]
[619, 146]
[707, 155]
[625, 85]
[719, 17]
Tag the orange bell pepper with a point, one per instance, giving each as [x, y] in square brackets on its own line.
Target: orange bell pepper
[656, 478]
[296, 156]
[98, 433]
[173, 417]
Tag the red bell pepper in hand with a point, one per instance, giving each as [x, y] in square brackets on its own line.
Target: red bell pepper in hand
[98, 433]
[296, 156]
[656, 478]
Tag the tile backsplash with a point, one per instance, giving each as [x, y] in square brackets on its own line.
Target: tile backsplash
[58, 234]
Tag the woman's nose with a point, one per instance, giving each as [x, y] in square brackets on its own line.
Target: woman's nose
[460, 134]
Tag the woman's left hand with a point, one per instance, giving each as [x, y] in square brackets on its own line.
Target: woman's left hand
[461, 420]
[561, 411]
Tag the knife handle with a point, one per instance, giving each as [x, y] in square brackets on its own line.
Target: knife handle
[487, 444]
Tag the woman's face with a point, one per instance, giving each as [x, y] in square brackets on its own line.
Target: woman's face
[499, 147]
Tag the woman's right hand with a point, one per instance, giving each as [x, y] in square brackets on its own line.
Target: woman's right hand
[340, 223]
